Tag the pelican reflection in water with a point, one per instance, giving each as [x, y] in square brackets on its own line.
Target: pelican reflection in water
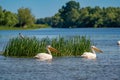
[91, 55]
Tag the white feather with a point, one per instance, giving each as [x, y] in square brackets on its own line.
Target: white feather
[118, 42]
[43, 56]
[91, 55]
[46, 56]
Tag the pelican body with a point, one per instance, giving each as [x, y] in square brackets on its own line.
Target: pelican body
[91, 55]
[46, 56]
[118, 43]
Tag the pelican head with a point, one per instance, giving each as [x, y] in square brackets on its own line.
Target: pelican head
[96, 49]
[51, 48]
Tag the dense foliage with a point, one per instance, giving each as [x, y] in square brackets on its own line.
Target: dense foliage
[72, 16]
[7, 18]
[29, 47]
[24, 18]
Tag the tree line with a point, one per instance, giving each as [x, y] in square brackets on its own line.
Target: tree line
[72, 16]
[23, 18]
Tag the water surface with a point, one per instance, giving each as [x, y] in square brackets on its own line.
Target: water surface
[105, 67]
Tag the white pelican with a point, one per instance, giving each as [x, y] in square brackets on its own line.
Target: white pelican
[118, 43]
[46, 56]
[91, 55]
[21, 35]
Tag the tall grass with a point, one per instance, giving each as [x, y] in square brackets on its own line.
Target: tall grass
[29, 47]
[74, 46]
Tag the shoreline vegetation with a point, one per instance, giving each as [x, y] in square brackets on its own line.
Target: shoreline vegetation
[29, 47]
[70, 15]
[35, 26]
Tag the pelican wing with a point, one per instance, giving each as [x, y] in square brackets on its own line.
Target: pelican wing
[43, 56]
[88, 55]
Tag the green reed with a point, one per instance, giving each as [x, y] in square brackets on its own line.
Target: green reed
[74, 46]
[29, 47]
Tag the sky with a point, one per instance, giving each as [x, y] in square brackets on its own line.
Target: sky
[47, 8]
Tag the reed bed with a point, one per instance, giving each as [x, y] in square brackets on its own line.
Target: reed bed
[29, 47]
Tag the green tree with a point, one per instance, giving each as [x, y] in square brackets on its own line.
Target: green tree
[96, 18]
[70, 13]
[109, 17]
[25, 17]
[83, 18]
[1, 16]
[57, 21]
[10, 19]
[46, 20]
[72, 16]
[117, 17]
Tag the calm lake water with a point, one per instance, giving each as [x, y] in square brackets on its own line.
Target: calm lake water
[105, 67]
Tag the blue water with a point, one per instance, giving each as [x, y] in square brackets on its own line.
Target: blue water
[105, 67]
